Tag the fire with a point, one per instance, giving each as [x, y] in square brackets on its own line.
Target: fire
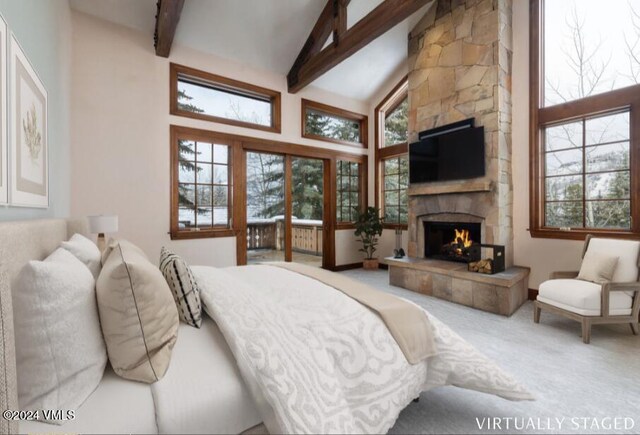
[463, 239]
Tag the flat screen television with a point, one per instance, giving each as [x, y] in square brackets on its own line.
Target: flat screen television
[450, 155]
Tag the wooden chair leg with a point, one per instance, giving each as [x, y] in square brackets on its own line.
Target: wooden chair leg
[536, 313]
[586, 331]
[634, 328]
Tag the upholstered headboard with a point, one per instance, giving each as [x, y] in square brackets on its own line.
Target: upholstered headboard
[20, 242]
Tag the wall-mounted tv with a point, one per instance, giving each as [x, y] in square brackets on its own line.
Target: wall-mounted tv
[450, 152]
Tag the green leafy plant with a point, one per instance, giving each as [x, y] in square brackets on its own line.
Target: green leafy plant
[369, 228]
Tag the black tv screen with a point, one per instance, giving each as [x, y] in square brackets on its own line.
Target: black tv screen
[457, 155]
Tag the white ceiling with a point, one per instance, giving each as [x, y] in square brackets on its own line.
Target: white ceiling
[269, 34]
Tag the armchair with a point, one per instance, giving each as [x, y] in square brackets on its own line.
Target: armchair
[589, 303]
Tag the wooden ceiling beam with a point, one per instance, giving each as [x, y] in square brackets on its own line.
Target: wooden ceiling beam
[166, 24]
[384, 17]
[320, 32]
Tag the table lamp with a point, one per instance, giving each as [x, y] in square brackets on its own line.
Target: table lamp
[103, 224]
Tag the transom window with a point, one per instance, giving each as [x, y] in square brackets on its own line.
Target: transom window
[584, 143]
[348, 191]
[198, 94]
[324, 122]
[396, 123]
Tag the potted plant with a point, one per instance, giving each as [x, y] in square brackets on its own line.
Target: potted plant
[369, 228]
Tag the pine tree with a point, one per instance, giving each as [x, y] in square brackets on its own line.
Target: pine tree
[396, 124]
[185, 150]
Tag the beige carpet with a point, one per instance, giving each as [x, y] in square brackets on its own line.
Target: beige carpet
[579, 388]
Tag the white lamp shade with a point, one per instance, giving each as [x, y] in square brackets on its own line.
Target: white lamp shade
[103, 224]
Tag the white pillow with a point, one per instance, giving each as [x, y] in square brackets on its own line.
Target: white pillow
[86, 251]
[60, 352]
[597, 267]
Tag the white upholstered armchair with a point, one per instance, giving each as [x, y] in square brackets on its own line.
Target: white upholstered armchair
[615, 301]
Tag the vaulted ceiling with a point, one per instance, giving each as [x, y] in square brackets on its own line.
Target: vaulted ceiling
[268, 34]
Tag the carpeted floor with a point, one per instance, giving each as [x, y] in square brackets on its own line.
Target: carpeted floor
[579, 388]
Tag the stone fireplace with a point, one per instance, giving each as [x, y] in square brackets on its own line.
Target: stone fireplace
[460, 68]
[451, 240]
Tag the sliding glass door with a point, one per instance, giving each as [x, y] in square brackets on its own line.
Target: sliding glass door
[285, 208]
[265, 205]
[307, 209]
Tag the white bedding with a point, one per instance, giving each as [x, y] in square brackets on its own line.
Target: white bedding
[202, 392]
[116, 406]
[317, 361]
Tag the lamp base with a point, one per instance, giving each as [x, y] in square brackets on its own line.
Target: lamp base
[102, 242]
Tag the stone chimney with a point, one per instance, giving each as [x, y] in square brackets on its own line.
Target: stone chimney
[460, 67]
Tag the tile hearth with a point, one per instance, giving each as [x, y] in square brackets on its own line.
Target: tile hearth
[502, 293]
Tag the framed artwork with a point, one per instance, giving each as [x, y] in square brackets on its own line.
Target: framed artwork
[28, 145]
[4, 161]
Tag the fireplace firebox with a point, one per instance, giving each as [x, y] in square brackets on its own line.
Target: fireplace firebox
[452, 241]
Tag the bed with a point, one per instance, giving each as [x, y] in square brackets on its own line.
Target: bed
[284, 349]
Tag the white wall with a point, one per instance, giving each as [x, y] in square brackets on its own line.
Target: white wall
[120, 133]
[541, 255]
[43, 29]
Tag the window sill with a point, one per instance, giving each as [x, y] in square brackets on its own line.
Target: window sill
[403, 227]
[581, 234]
[189, 235]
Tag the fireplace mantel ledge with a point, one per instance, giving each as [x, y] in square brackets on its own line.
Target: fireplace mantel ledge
[457, 187]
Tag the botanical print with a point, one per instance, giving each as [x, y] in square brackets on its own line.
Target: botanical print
[33, 138]
[28, 133]
[31, 109]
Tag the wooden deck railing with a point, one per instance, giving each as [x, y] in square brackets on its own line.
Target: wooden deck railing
[306, 238]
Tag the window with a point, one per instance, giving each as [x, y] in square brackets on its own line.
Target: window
[396, 124]
[198, 94]
[327, 123]
[201, 187]
[585, 128]
[348, 191]
[395, 183]
[392, 166]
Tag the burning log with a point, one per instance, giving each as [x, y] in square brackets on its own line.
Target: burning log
[482, 266]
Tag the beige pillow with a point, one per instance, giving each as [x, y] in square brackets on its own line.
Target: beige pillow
[138, 316]
[597, 267]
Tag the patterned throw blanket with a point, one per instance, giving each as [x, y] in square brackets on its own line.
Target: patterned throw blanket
[317, 361]
[407, 322]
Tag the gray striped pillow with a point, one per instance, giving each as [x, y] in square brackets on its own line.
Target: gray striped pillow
[183, 286]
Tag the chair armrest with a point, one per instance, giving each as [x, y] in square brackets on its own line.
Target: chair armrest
[621, 287]
[564, 275]
[609, 287]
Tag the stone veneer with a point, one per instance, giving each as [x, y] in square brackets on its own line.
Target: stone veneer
[460, 67]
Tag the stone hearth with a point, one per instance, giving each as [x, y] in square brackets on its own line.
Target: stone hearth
[501, 293]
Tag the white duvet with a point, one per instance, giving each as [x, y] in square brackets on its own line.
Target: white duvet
[317, 361]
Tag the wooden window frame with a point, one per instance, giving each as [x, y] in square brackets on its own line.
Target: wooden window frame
[382, 153]
[239, 145]
[198, 136]
[224, 82]
[541, 117]
[362, 188]
[362, 120]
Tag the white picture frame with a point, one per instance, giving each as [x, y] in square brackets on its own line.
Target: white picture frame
[28, 125]
[4, 115]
